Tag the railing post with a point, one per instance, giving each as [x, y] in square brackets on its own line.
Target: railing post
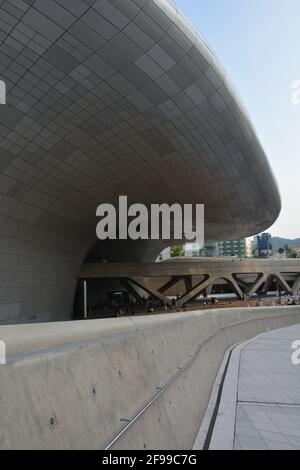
[85, 312]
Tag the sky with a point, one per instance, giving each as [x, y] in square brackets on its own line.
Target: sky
[258, 43]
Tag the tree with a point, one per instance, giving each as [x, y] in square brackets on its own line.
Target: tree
[281, 251]
[176, 251]
[289, 252]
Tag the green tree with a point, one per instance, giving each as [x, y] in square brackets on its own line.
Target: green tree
[281, 251]
[176, 251]
[289, 252]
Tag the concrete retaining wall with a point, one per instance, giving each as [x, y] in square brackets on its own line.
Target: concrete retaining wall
[70, 385]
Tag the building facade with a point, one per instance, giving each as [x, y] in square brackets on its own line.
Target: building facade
[210, 249]
[249, 247]
[242, 248]
[232, 248]
[262, 246]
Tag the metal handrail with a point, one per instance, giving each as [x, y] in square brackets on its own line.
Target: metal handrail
[161, 390]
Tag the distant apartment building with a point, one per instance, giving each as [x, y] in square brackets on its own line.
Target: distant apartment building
[2, 92]
[233, 248]
[192, 249]
[249, 248]
[262, 246]
[210, 249]
[242, 248]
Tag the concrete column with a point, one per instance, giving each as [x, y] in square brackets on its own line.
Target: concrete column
[85, 302]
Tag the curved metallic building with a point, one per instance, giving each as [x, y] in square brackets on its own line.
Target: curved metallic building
[104, 98]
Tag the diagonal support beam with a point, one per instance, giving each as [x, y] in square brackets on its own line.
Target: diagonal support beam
[196, 290]
[296, 286]
[261, 279]
[130, 288]
[172, 282]
[150, 290]
[268, 284]
[288, 290]
[232, 282]
[188, 282]
[240, 281]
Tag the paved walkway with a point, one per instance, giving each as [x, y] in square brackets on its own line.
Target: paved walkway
[268, 406]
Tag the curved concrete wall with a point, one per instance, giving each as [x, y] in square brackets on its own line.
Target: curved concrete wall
[70, 385]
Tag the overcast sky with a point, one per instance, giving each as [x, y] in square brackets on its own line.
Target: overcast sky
[258, 43]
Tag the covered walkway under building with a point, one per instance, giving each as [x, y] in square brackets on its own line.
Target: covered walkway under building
[245, 276]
